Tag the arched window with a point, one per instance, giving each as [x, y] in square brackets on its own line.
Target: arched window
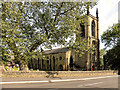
[93, 28]
[71, 63]
[82, 30]
[93, 55]
[93, 42]
[53, 63]
[61, 67]
[60, 58]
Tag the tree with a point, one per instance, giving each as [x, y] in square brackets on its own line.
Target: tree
[102, 53]
[12, 39]
[112, 39]
[28, 26]
[112, 58]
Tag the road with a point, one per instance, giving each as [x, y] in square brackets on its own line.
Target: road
[93, 82]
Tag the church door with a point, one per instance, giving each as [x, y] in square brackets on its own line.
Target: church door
[71, 63]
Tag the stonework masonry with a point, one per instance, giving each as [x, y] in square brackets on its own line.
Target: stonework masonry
[60, 73]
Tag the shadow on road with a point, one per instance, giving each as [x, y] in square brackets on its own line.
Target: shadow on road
[51, 74]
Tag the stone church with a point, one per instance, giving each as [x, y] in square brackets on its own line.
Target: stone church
[64, 59]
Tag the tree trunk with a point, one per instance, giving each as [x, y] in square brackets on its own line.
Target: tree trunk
[22, 63]
[23, 66]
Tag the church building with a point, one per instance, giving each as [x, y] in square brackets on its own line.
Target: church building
[65, 59]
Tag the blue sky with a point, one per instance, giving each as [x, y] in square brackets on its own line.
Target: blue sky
[108, 15]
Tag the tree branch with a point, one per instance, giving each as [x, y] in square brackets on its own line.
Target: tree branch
[58, 12]
[67, 10]
[35, 45]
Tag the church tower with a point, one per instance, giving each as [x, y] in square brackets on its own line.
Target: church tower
[90, 31]
[93, 38]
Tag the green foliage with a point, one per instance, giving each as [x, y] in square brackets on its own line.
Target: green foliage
[112, 38]
[112, 58]
[12, 39]
[102, 53]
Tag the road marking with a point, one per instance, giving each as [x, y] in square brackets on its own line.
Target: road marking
[82, 79]
[22, 82]
[93, 84]
[90, 84]
[18, 82]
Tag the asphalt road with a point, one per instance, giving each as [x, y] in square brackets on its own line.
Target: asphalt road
[107, 82]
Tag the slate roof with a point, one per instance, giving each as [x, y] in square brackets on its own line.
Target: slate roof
[55, 51]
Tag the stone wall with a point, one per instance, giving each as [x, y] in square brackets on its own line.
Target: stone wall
[60, 73]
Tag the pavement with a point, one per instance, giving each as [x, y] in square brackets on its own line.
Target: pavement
[99, 82]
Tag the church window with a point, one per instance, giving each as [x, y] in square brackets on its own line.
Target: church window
[61, 67]
[43, 65]
[42, 61]
[53, 63]
[60, 58]
[47, 64]
[93, 28]
[82, 30]
[93, 55]
[93, 42]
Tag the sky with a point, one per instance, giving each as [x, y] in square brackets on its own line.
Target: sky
[108, 15]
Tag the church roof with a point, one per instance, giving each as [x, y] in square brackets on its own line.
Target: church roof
[55, 51]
